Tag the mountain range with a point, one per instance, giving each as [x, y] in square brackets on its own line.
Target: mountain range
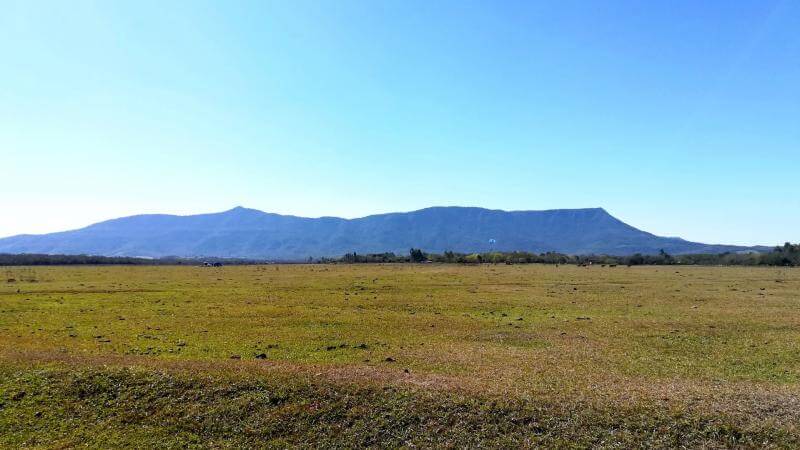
[249, 233]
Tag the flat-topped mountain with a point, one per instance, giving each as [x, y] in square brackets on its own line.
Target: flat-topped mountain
[249, 233]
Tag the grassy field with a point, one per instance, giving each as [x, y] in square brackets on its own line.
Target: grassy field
[400, 355]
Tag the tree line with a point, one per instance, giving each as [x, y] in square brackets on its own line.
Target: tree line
[31, 259]
[785, 255]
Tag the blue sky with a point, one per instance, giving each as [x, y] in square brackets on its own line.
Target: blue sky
[680, 117]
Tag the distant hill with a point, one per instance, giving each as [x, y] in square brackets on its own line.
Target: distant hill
[249, 233]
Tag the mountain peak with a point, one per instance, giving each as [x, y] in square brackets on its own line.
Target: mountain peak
[239, 210]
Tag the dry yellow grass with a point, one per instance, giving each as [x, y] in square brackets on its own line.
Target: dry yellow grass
[724, 340]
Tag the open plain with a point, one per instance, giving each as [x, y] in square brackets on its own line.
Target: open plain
[399, 355]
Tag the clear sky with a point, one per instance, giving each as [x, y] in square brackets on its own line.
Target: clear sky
[679, 117]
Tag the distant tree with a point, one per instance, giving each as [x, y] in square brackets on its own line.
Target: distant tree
[417, 255]
[636, 259]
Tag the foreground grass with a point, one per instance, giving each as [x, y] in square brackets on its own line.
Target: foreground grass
[123, 407]
[399, 355]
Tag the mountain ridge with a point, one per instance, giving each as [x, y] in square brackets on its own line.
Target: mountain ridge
[251, 233]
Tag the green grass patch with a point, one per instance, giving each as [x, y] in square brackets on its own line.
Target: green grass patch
[130, 407]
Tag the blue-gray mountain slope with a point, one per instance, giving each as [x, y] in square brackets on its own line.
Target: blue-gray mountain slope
[249, 233]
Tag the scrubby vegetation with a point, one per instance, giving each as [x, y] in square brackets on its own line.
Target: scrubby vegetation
[786, 255]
